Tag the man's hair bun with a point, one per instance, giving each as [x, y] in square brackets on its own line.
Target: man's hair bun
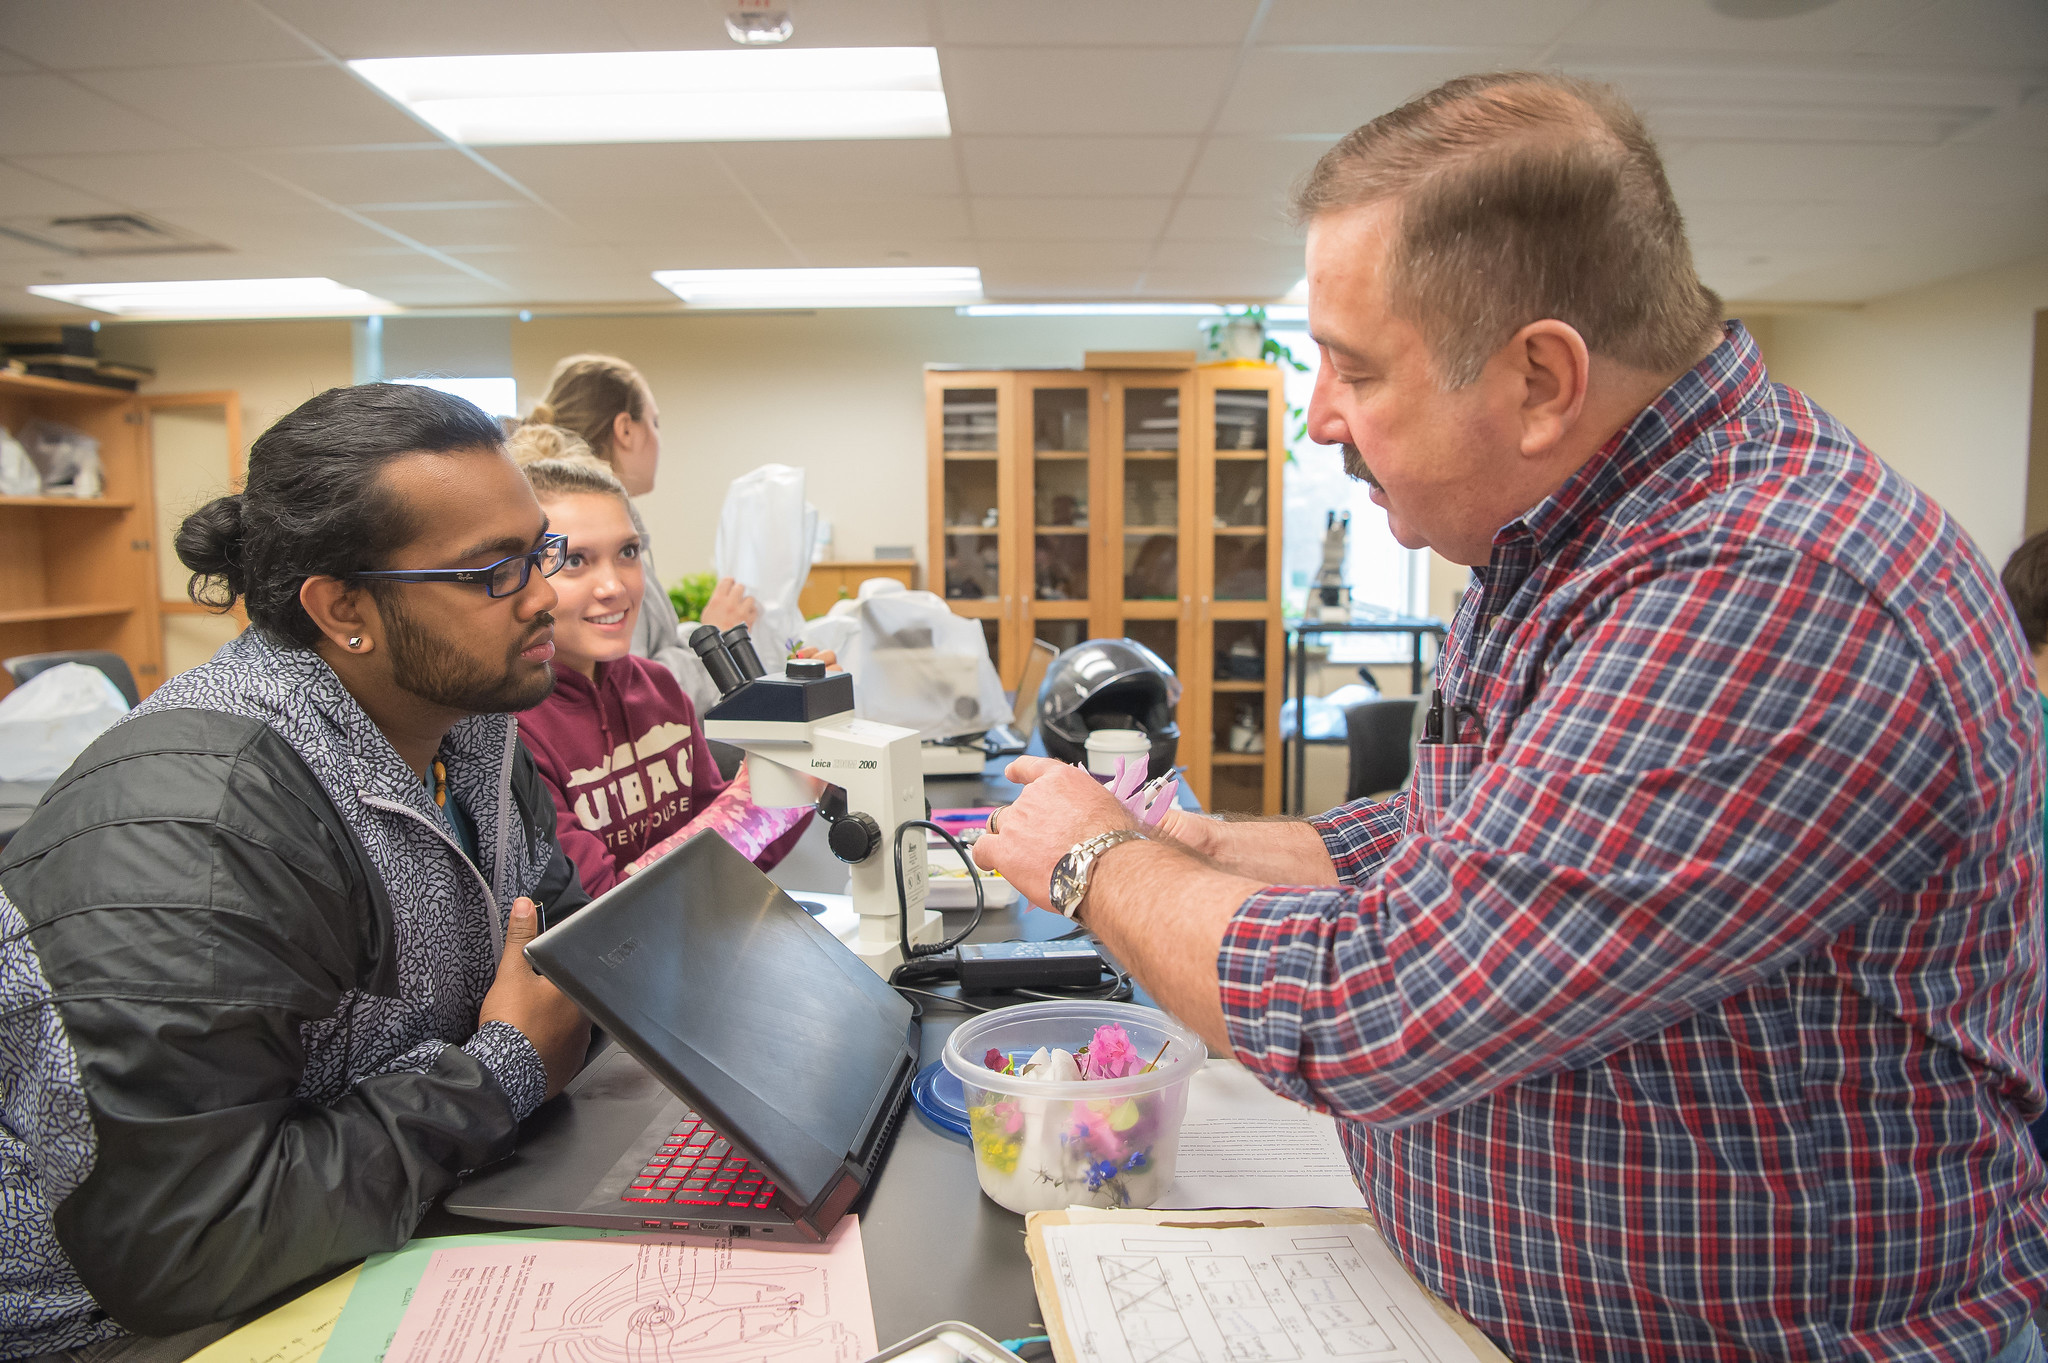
[210, 544]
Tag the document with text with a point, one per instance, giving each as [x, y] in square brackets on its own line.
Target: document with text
[1242, 1145]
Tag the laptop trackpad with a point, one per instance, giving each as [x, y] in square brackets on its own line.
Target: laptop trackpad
[606, 1194]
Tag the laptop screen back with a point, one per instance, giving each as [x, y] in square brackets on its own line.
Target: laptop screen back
[742, 1004]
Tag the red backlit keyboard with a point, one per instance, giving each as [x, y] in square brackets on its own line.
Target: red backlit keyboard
[696, 1168]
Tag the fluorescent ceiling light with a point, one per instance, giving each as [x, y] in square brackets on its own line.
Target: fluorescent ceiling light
[903, 286]
[1091, 310]
[731, 95]
[310, 297]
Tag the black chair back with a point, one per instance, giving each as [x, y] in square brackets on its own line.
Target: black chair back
[1381, 745]
[28, 665]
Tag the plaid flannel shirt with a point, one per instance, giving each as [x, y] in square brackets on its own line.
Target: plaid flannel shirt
[1687, 1005]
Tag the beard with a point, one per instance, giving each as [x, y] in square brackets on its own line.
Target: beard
[1354, 465]
[434, 669]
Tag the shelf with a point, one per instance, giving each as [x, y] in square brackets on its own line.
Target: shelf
[971, 530]
[1242, 456]
[1130, 529]
[1237, 759]
[1162, 455]
[72, 503]
[1060, 530]
[11, 382]
[1241, 529]
[86, 612]
[978, 456]
[1059, 454]
[1221, 685]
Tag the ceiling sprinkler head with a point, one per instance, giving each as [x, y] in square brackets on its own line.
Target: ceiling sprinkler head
[759, 27]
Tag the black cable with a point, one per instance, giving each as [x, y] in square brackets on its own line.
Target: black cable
[947, 999]
[911, 953]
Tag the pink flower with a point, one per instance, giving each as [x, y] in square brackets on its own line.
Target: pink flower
[1111, 1055]
[996, 1060]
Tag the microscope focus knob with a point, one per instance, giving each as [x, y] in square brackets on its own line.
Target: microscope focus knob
[854, 838]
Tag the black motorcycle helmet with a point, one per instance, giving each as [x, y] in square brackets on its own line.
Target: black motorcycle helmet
[1109, 684]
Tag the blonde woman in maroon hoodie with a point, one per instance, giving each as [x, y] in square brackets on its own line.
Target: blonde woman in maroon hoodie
[617, 741]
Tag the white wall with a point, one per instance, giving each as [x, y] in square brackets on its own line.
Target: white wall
[1938, 382]
[839, 392]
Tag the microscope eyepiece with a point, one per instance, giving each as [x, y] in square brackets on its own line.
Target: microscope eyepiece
[725, 674]
[740, 644]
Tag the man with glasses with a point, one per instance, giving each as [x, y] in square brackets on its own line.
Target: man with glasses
[261, 992]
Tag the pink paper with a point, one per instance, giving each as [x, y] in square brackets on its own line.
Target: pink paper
[647, 1299]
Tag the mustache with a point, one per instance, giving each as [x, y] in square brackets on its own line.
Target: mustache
[542, 624]
[1354, 465]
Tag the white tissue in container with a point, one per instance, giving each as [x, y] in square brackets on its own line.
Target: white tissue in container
[1042, 1145]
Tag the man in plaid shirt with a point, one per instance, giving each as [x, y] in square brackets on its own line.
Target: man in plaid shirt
[1687, 1004]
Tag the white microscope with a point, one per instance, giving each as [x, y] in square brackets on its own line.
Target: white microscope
[797, 726]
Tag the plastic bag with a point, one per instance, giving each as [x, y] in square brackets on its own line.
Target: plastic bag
[765, 533]
[19, 477]
[913, 661]
[47, 721]
[67, 458]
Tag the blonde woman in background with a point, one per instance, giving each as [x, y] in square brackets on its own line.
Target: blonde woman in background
[607, 407]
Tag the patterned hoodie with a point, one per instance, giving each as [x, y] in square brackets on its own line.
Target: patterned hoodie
[240, 968]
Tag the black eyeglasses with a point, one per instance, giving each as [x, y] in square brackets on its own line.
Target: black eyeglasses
[506, 577]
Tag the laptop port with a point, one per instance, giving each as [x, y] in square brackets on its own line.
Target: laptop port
[652, 1225]
[677, 1225]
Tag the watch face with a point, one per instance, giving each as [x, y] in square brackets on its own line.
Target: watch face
[1069, 883]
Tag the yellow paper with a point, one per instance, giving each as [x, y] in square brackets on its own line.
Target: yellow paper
[294, 1333]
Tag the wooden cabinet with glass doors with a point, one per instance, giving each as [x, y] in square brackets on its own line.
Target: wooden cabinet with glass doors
[1076, 504]
[94, 572]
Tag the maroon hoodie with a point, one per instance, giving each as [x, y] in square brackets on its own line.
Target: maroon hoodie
[630, 770]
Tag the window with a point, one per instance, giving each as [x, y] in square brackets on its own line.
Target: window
[1378, 570]
[499, 397]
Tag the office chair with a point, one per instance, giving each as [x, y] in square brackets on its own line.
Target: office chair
[1381, 755]
[27, 665]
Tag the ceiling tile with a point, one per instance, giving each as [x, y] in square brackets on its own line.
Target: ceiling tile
[1980, 32]
[2025, 126]
[694, 217]
[405, 28]
[1681, 28]
[364, 175]
[1042, 258]
[29, 188]
[312, 230]
[866, 170]
[1076, 165]
[570, 177]
[1966, 173]
[521, 225]
[1007, 90]
[170, 180]
[1812, 172]
[1072, 284]
[1874, 272]
[1330, 93]
[261, 106]
[868, 252]
[826, 217]
[60, 37]
[1086, 23]
[49, 115]
[1240, 166]
[1401, 23]
[1218, 286]
[11, 64]
[1039, 218]
[1262, 219]
[1224, 257]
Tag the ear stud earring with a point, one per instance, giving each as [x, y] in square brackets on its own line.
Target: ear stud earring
[355, 641]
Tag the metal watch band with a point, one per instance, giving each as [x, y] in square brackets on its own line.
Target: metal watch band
[1084, 855]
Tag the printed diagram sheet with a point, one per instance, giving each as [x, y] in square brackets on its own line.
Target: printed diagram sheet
[651, 1300]
[1259, 1294]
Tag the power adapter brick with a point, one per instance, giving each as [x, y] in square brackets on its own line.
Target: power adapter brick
[1029, 965]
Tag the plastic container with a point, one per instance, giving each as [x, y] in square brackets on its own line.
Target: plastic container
[1041, 1146]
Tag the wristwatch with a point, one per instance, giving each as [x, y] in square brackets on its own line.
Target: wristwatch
[1070, 874]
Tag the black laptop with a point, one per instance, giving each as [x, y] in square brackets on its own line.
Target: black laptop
[758, 1074]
